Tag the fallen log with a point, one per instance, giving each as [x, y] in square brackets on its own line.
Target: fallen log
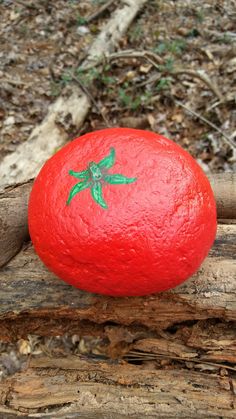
[71, 387]
[224, 187]
[13, 220]
[67, 113]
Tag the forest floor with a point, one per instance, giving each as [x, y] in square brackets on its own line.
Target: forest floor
[183, 88]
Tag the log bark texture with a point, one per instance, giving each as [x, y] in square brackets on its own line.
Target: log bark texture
[224, 187]
[71, 387]
[66, 115]
[13, 220]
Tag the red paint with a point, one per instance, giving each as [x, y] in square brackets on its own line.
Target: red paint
[156, 231]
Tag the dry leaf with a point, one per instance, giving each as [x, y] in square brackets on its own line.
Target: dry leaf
[134, 122]
[24, 347]
[178, 117]
[152, 121]
[130, 75]
[119, 334]
[145, 68]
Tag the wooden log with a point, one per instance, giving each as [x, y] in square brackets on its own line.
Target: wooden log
[71, 387]
[224, 187]
[205, 342]
[13, 220]
[13, 211]
[33, 300]
[66, 115]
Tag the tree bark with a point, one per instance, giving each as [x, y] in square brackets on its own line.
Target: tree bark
[224, 187]
[71, 387]
[13, 220]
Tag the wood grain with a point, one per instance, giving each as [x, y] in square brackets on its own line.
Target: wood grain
[224, 187]
[13, 220]
[61, 387]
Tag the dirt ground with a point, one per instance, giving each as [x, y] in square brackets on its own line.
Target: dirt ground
[186, 91]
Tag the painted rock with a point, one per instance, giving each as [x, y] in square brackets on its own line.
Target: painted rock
[122, 212]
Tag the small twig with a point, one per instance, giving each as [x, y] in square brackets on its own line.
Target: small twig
[150, 80]
[93, 101]
[14, 82]
[142, 356]
[220, 35]
[27, 4]
[100, 11]
[129, 53]
[202, 118]
[199, 74]
[150, 56]
[156, 61]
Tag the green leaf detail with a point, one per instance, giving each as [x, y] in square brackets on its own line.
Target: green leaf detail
[95, 177]
[108, 161]
[118, 179]
[76, 189]
[79, 175]
[96, 191]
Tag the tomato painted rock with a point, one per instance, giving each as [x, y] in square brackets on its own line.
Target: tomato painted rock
[122, 212]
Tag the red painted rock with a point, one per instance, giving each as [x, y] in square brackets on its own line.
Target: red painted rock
[122, 212]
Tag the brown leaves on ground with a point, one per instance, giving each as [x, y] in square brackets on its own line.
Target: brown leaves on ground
[42, 42]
